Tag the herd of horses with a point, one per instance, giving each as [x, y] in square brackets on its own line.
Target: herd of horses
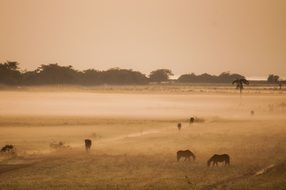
[213, 161]
[186, 154]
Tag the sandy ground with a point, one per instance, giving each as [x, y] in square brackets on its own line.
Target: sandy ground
[135, 140]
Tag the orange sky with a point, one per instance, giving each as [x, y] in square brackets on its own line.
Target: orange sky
[245, 36]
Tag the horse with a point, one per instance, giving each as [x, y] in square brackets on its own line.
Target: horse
[252, 112]
[7, 148]
[219, 158]
[186, 154]
[88, 143]
[192, 120]
[179, 126]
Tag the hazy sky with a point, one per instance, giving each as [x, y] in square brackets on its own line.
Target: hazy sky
[244, 36]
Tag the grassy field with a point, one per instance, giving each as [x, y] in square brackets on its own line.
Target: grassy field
[138, 150]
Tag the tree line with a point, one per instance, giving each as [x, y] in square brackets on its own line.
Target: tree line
[10, 74]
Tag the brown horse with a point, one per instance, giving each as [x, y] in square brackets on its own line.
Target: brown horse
[179, 126]
[186, 154]
[88, 143]
[8, 148]
[192, 120]
[219, 158]
[252, 112]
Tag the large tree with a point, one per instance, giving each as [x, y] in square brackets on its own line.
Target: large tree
[160, 75]
[239, 83]
[9, 73]
[56, 74]
[272, 78]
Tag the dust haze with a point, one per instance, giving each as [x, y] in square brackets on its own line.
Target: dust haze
[135, 138]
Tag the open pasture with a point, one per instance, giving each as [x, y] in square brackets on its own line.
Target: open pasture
[135, 140]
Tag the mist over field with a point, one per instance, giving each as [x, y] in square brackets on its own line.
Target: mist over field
[135, 138]
[126, 105]
[142, 95]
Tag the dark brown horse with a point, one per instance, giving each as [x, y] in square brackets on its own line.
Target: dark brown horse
[192, 120]
[186, 154]
[219, 158]
[87, 144]
[8, 149]
[179, 126]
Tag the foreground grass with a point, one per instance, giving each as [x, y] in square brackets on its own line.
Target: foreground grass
[124, 157]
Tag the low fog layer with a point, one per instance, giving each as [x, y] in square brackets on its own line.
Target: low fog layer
[130, 105]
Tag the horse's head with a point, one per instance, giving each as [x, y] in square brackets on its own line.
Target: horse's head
[194, 157]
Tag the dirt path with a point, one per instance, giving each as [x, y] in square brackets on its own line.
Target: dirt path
[132, 135]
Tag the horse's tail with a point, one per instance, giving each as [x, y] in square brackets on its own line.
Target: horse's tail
[178, 156]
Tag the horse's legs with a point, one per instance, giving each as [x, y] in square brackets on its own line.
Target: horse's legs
[178, 158]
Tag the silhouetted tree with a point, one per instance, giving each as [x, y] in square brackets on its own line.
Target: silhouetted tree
[56, 74]
[206, 78]
[224, 77]
[114, 76]
[92, 77]
[9, 73]
[123, 76]
[227, 77]
[160, 75]
[239, 83]
[273, 78]
[187, 78]
[30, 78]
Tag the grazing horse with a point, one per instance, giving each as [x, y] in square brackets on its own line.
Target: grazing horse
[87, 144]
[219, 158]
[179, 126]
[252, 112]
[7, 148]
[186, 154]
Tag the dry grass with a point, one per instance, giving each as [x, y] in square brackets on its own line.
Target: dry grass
[140, 152]
[147, 161]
